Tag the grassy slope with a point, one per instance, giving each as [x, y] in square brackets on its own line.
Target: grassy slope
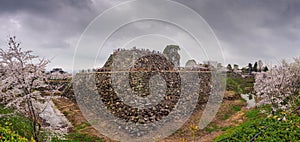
[19, 125]
[16, 123]
[287, 130]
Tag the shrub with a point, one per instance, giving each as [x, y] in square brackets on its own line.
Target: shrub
[7, 135]
[252, 114]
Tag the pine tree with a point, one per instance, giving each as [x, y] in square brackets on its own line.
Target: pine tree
[255, 67]
[229, 67]
[250, 68]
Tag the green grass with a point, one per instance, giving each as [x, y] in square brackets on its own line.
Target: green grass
[7, 135]
[211, 128]
[243, 100]
[236, 108]
[5, 111]
[226, 116]
[232, 85]
[277, 130]
[77, 137]
[252, 114]
[82, 126]
[16, 125]
[225, 128]
[19, 124]
[240, 85]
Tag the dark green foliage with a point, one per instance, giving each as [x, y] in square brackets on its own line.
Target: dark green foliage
[255, 69]
[240, 85]
[250, 69]
[244, 70]
[236, 108]
[229, 67]
[265, 69]
[250, 97]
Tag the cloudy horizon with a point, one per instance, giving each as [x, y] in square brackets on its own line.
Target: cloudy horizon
[248, 31]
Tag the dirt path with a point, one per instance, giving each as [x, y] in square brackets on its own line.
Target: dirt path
[74, 115]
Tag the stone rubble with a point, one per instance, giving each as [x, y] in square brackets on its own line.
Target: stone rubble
[139, 81]
[140, 88]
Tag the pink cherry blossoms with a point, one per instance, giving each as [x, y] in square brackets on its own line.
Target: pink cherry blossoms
[279, 86]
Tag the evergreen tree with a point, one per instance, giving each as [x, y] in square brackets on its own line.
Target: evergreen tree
[255, 67]
[229, 67]
[236, 67]
[265, 69]
[250, 68]
[171, 51]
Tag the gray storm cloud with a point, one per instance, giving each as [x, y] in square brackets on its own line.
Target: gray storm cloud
[247, 30]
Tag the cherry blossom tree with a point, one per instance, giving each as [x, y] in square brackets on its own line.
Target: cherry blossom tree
[59, 76]
[22, 80]
[279, 86]
[23, 77]
[58, 82]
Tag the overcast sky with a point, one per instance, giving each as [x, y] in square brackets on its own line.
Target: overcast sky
[248, 30]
